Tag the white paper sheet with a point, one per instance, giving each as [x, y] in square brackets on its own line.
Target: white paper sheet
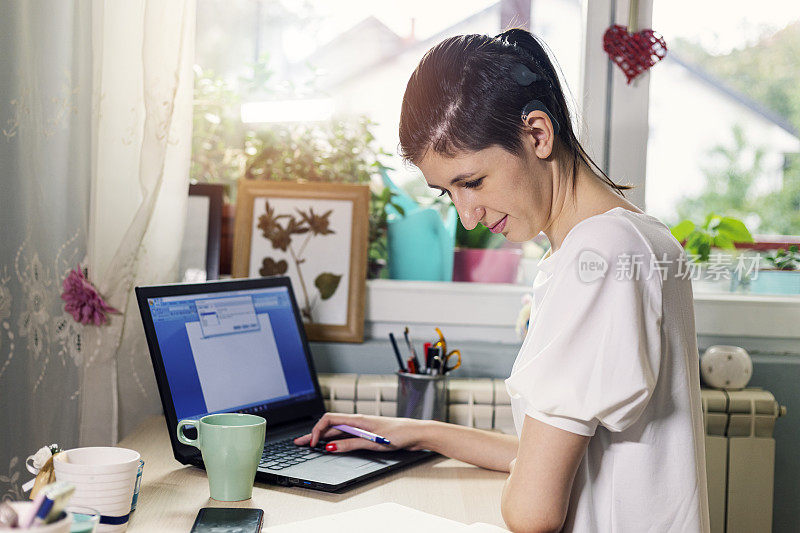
[383, 518]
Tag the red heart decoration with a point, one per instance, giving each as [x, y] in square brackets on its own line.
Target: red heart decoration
[636, 52]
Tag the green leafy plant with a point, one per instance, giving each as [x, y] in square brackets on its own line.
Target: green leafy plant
[785, 260]
[341, 150]
[218, 152]
[715, 232]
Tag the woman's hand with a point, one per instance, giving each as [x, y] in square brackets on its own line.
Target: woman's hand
[401, 432]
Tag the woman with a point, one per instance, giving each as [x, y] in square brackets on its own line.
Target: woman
[605, 389]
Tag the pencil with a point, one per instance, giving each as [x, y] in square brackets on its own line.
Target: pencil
[397, 352]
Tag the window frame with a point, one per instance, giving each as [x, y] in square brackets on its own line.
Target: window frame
[615, 112]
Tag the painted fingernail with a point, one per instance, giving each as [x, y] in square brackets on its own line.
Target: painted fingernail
[331, 447]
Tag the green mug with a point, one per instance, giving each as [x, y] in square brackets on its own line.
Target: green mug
[231, 445]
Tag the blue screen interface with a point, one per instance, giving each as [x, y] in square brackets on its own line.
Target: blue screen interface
[231, 351]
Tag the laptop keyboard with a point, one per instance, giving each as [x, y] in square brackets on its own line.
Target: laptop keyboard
[284, 453]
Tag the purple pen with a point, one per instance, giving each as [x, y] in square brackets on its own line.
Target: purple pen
[362, 433]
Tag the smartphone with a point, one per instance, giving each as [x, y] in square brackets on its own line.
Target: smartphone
[228, 520]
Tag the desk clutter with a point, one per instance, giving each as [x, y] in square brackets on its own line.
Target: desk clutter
[475, 402]
[45, 513]
[436, 360]
[740, 452]
[81, 490]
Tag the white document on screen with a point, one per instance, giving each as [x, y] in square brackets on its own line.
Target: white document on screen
[237, 369]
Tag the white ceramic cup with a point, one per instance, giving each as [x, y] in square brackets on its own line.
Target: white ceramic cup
[104, 480]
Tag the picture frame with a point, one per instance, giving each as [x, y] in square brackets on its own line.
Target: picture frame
[315, 233]
[200, 248]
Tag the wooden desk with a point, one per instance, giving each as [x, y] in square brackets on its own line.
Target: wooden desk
[172, 493]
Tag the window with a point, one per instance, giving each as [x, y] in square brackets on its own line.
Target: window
[725, 114]
[276, 77]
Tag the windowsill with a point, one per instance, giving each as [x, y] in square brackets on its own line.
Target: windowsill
[488, 312]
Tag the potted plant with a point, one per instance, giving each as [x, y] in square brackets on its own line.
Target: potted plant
[480, 257]
[779, 273]
[699, 240]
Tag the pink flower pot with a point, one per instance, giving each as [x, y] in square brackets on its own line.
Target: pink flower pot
[486, 266]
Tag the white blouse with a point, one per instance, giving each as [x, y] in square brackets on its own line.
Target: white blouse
[611, 352]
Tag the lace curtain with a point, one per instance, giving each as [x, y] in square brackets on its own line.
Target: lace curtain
[95, 111]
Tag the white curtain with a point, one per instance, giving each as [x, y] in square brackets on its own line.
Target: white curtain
[45, 137]
[95, 127]
[141, 146]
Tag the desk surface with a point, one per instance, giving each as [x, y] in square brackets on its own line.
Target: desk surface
[172, 493]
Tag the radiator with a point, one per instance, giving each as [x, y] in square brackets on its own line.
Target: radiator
[740, 450]
[740, 458]
[482, 402]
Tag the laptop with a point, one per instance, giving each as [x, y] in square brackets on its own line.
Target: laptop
[239, 346]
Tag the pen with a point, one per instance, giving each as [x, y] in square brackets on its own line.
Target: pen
[411, 348]
[426, 353]
[362, 433]
[397, 352]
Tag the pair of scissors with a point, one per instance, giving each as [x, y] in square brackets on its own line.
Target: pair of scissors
[441, 343]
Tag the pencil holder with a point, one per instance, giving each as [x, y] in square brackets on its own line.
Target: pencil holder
[422, 396]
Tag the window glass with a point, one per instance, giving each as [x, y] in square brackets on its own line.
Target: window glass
[725, 114]
[350, 57]
[313, 89]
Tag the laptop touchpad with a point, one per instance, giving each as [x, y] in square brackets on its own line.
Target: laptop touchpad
[347, 461]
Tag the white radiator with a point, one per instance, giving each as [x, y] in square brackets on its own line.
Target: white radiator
[740, 458]
[482, 402]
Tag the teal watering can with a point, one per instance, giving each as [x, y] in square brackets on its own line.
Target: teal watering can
[420, 243]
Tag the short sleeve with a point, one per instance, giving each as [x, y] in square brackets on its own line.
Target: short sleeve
[593, 351]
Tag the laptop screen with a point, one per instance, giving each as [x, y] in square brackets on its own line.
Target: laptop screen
[238, 350]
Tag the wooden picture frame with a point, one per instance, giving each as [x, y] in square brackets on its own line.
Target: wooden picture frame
[315, 233]
[200, 248]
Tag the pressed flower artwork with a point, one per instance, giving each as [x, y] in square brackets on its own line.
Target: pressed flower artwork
[316, 235]
[284, 231]
[304, 239]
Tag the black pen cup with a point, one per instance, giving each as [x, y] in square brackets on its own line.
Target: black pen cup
[422, 396]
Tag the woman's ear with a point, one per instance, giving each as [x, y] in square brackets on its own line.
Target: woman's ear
[540, 129]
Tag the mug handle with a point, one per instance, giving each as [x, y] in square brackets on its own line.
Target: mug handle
[183, 438]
